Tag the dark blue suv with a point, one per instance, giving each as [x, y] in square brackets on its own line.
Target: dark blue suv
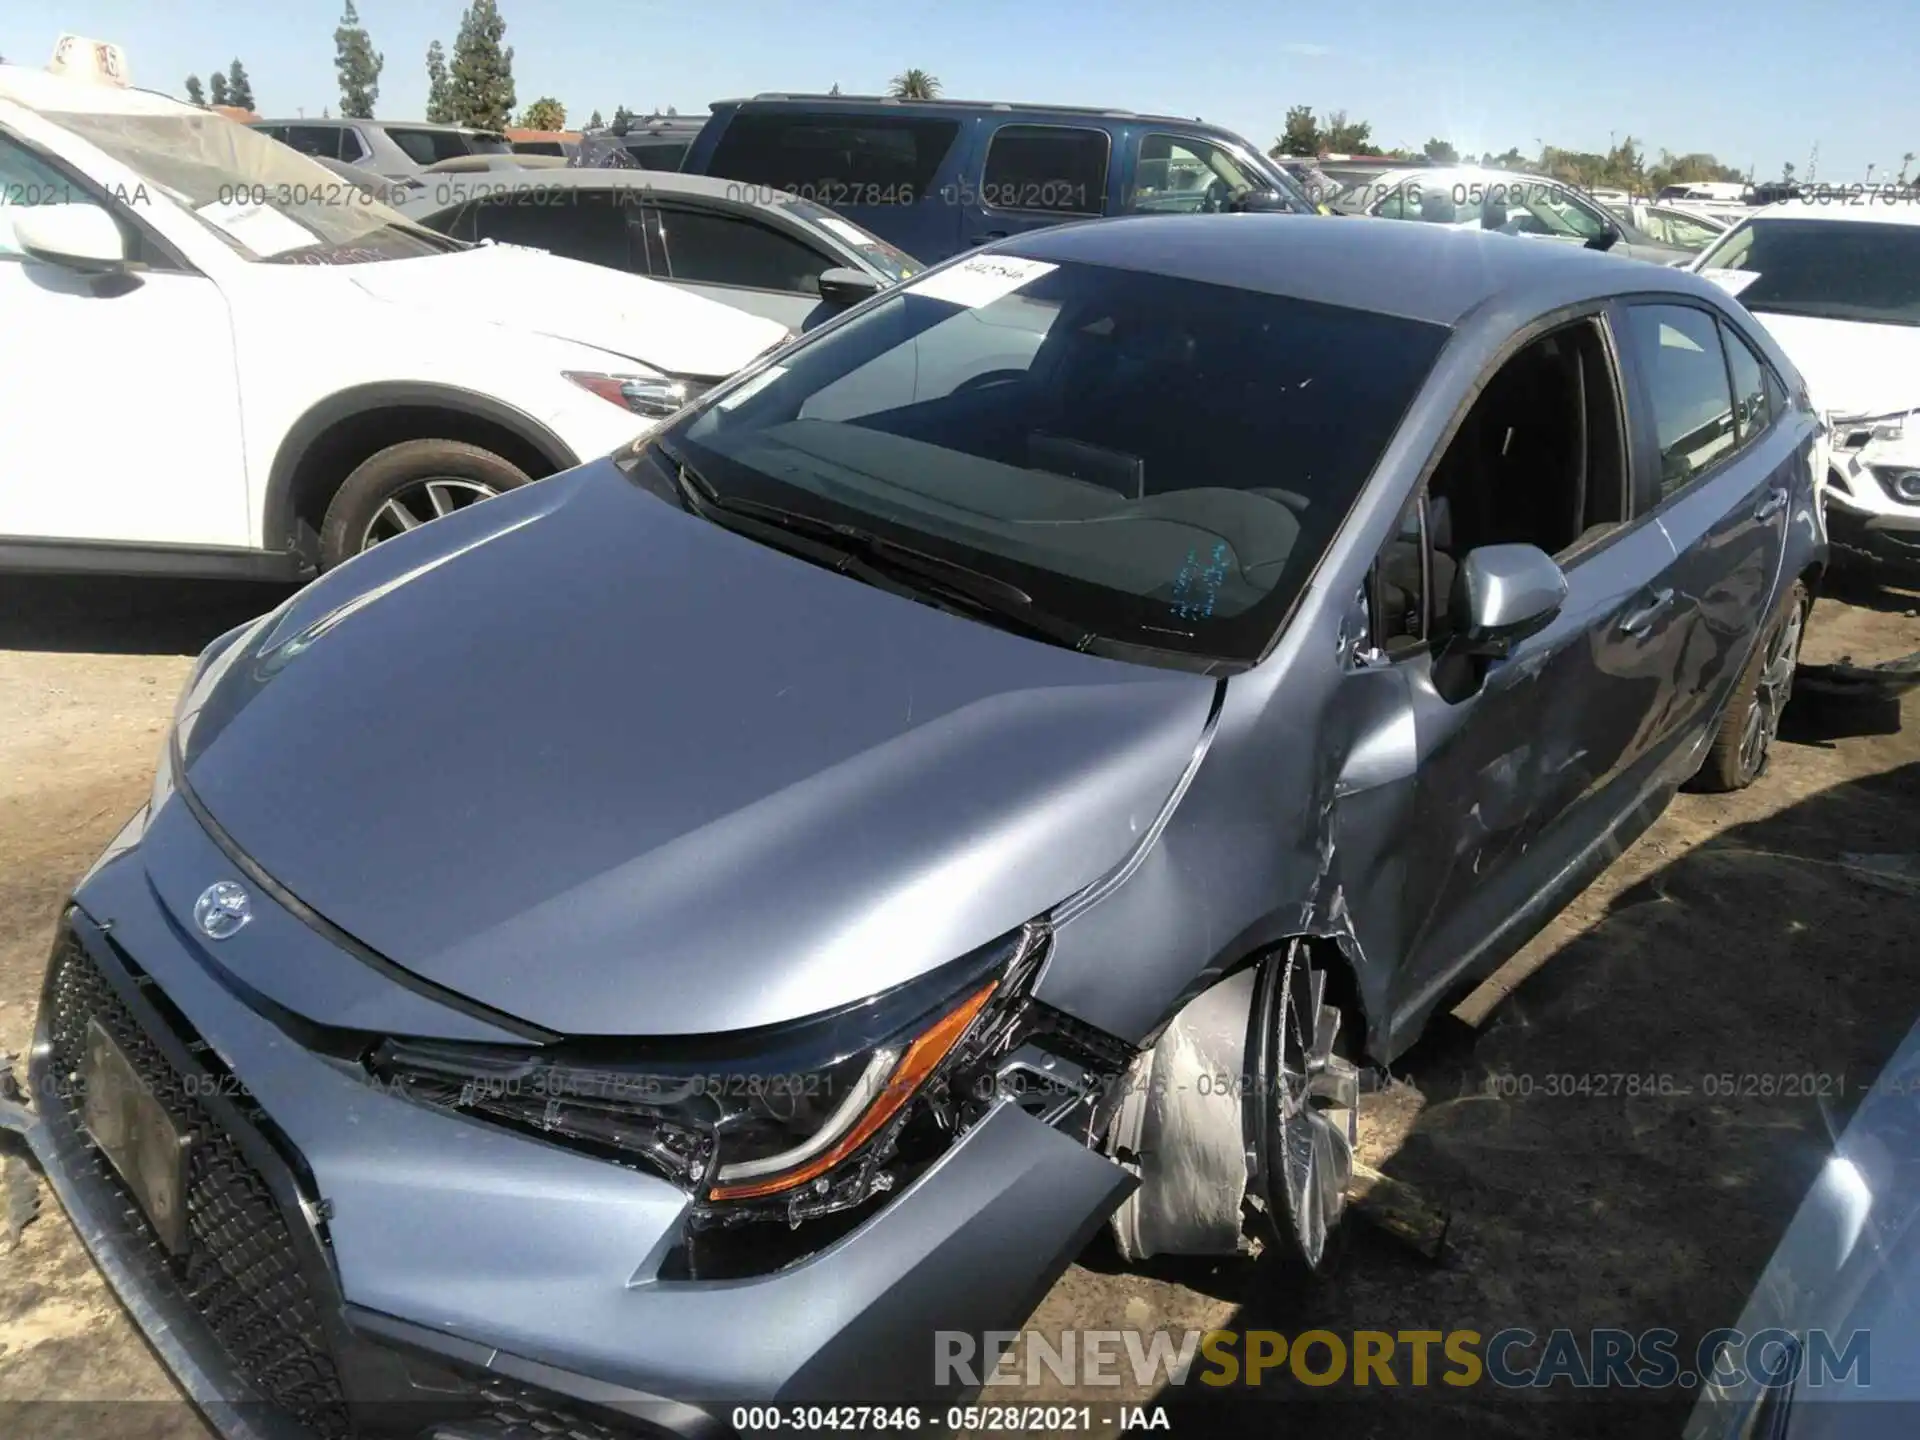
[936, 177]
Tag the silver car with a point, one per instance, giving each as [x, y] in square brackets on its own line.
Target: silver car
[1529, 206]
[757, 249]
[676, 936]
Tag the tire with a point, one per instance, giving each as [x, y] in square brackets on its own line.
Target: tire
[1744, 742]
[404, 486]
[1307, 1095]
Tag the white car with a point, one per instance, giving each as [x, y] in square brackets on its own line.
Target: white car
[221, 358]
[1837, 281]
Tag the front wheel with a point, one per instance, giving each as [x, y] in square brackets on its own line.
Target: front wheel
[404, 486]
[1308, 1099]
[1744, 741]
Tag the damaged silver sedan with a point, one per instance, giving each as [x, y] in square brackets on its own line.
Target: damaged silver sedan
[1003, 766]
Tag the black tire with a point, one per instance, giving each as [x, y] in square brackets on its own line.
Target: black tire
[1744, 742]
[416, 480]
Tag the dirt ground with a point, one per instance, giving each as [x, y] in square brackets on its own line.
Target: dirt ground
[1735, 938]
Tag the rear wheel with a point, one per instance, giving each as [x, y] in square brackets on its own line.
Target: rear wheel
[407, 485]
[1744, 741]
[1309, 1099]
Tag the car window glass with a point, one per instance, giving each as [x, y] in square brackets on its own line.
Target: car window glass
[1183, 174]
[1677, 349]
[352, 148]
[1047, 167]
[835, 160]
[725, 250]
[1394, 207]
[430, 147]
[590, 225]
[27, 180]
[1749, 388]
[315, 140]
[1826, 269]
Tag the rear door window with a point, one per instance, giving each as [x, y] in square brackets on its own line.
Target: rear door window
[835, 160]
[430, 147]
[1677, 350]
[716, 249]
[321, 140]
[1059, 169]
[589, 225]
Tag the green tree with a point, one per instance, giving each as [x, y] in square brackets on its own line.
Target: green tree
[546, 113]
[1301, 136]
[622, 119]
[195, 95]
[1441, 152]
[439, 87]
[914, 85]
[239, 88]
[1905, 161]
[1348, 137]
[836, 88]
[358, 66]
[594, 122]
[482, 74]
[217, 88]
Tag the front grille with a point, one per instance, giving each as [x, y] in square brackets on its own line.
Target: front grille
[241, 1270]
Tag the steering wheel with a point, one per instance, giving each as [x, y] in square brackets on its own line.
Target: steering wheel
[1217, 195]
[986, 378]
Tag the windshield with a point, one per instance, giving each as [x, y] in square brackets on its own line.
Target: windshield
[264, 199]
[1837, 269]
[890, 260]
[1158, 461]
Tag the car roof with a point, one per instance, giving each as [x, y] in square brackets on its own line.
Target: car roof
[661, 182]
[1432, 273]
[340, 121]
[1864, 208]
[943, 106]
[51, 94]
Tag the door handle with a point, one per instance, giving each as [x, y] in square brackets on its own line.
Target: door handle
[1775, 502]
[1641, 620]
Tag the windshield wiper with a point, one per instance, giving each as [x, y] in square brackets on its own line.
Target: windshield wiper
[871, 557]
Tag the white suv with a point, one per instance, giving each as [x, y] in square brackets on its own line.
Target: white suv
[221, 358]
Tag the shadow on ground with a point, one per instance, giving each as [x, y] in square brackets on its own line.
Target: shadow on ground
[1767, 981]
[114, 615]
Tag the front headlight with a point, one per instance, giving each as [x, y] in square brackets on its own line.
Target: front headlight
[648, 393]
[789, 1123]
[1856, 432]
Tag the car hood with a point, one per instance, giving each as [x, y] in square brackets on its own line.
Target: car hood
[1851, 367]
[611, 769]
[530, 290]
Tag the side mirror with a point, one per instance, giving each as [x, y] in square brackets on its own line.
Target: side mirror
[1501, 595]
[1261, 202]
[76, 235]
[843, 285]
[1608, 237]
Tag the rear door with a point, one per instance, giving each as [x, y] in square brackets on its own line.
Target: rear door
[1718, 469]
[1032, 176]
[895, 175]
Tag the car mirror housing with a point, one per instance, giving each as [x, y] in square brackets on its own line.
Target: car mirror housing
[1606, 239]
[1262, 202]
[844, 285]
[1504, 593]
[76, 235]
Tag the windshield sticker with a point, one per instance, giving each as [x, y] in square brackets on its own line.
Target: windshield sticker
[982, 280]
[1197, 587]
[261, 230]
[852, 234]
[1732, 281]
[750, 388]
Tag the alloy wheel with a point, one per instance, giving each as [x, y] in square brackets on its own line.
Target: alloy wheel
[430, 498]
[1313, 1112]
[1771, 692]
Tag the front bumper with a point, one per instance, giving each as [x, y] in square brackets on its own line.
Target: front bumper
[457, 1281]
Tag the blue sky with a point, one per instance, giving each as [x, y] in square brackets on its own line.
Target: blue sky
[1758, 89]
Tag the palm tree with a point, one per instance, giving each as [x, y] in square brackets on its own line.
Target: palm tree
[914, 85]
[1905, 161]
